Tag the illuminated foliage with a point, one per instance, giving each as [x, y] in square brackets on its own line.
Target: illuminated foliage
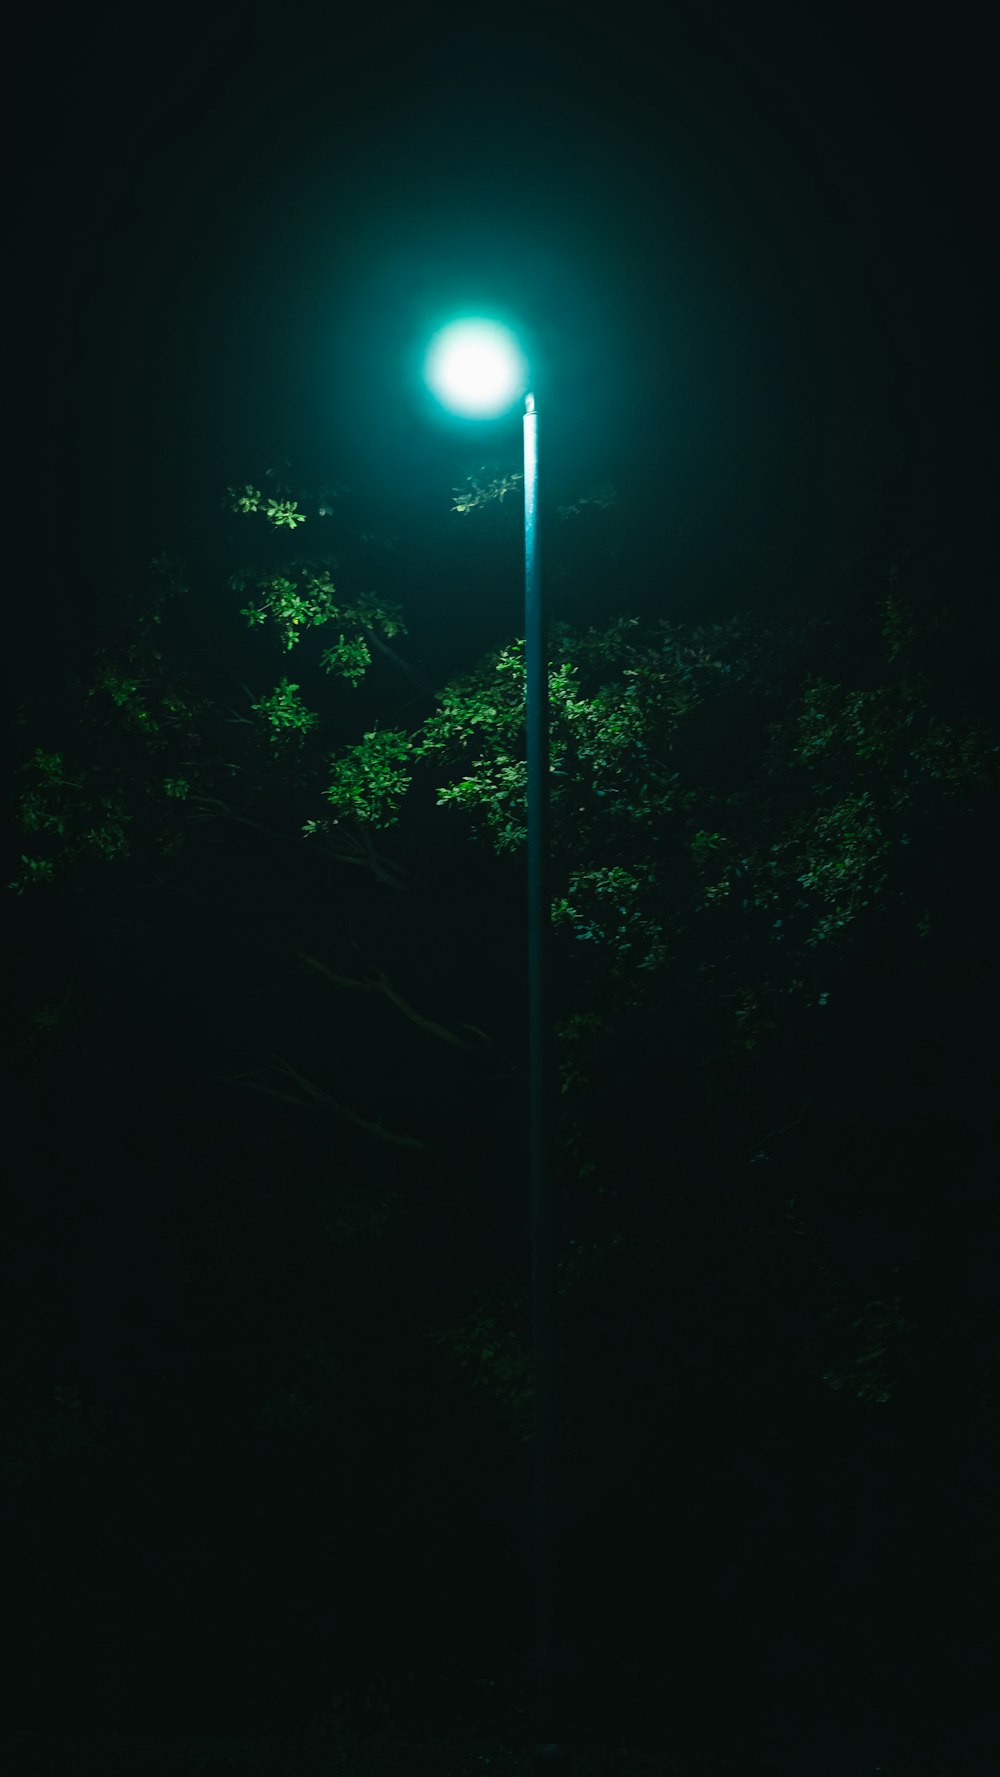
[280, 513]
[370, 778]
[602, 906]
[68, 807]
[795, 857]
[308, 601]
[285, 713]
[33, 870]
[658, 869]
[350, 656]
[475, 492]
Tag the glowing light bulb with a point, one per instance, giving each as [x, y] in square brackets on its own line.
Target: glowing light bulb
[476, 367]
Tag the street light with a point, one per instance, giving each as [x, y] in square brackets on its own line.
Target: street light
[476, 368]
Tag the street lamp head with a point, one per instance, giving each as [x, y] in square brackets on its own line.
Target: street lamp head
[476, 368]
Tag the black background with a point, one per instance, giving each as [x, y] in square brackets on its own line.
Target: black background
[752, 247]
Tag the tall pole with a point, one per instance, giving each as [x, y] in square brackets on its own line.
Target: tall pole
[539, 1082]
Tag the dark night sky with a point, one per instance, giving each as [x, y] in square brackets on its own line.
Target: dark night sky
[749, 244]
[754, 260]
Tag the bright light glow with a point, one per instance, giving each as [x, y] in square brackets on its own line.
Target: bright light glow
[476, 368]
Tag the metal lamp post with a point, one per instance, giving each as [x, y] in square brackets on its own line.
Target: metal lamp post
[476, 368]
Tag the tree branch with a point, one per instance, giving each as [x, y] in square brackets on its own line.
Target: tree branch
[381, 985]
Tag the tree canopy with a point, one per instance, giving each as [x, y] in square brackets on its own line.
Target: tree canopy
[737, 805]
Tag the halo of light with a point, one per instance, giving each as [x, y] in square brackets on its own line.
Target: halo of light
[476, 367]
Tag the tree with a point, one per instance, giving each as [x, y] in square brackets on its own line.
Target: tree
[712, 887]
[734, 806]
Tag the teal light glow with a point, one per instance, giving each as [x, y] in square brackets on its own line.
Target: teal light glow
[476, 367]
